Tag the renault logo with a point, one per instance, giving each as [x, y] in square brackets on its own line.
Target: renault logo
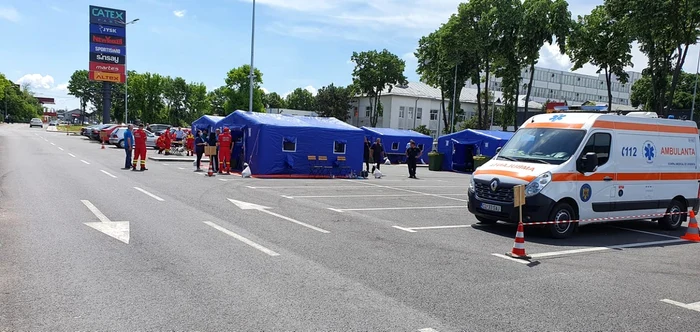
[494, 184]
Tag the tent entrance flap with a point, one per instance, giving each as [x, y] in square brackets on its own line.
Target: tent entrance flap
[463, 152]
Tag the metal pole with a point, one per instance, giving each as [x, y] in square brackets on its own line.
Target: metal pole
[126, 93]
[454, 102]
[415, 113]
[493, 104]
[695, 89]
[252, 57]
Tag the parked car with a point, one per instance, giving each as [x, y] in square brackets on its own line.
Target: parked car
[95, 132]
[117, 138]
[53, 123]
[36, 122]
[158, 128]
[106, 132]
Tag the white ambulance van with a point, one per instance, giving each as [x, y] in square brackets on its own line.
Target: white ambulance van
[589, 168]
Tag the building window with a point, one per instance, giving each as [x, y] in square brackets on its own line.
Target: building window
[433, 115]
[419, 113]
[339, 147]
[289, 144]
[410, 112]
[368, 110]
[402, 111]
[395, 146]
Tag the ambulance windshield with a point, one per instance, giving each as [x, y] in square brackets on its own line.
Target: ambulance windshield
[542, 145]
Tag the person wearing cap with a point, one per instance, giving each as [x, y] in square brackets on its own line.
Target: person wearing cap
[224, 143]
[412, 155]
[139, 148]
[128, 145]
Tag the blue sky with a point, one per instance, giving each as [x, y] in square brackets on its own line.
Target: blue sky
[299, 43]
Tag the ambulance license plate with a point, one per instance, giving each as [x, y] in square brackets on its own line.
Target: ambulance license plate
[491, 207]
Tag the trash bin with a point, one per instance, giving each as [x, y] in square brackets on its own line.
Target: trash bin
[435, 161]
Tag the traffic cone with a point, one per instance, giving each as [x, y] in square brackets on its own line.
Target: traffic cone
[103, 145]
[210, 172]
[692, 234]
[519, 245]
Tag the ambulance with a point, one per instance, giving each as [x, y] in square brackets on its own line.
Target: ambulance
[591, 167]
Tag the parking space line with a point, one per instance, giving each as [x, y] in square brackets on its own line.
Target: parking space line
[365, 196]
[241, 238]
[400, 208]
[428, 329]
[149, 194]
[400, 188]
[521, 261]
[85, 162]
[645, 232]
[180, 168]
[72, 155]
[594, 249]
[52, 143]
[349, 187]
[108, 173]
[439, 227]
[690, 306]
[404, 229]
[60, 148]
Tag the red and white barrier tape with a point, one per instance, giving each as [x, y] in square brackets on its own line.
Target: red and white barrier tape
[641, 216]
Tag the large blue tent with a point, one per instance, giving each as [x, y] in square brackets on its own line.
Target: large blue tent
[206, 122]
[278, 144]
[454, 146]
[395, 142]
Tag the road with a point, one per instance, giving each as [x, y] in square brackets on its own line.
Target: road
[87, 246]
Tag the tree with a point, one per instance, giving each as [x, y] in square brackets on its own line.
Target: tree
[274, 100]
[238, 93]
[423, 130]
[604, 42]
[333, 101]
[300, 99]
[509, 59]
[196, 103]
[683, 98]
[217, 100]
[21, 104]
[375, 72]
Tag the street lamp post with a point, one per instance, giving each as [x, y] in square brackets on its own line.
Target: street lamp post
[454, 102]
[126, 79]
[252, 57]
[695, 89]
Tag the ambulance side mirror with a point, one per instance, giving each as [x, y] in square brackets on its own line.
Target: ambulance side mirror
[588, 163]
[498, 150]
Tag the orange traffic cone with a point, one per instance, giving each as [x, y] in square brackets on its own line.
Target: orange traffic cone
[103, 145]
[692, 234]
[210, 172]
[519, 245]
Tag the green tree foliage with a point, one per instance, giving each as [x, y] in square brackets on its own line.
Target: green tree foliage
[642, 94]
[238, 93]
[422, 129]
[604, 42]
[509, 59]
[300, 99]
[334, 101]
[375, 72]
[274, 100]
[21, 103]
[217, 100]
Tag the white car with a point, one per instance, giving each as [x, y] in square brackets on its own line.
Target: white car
[36, 122]
[117, 138]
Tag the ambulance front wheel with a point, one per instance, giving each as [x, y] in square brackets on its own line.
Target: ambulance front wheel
[674, 217]
[564, 213]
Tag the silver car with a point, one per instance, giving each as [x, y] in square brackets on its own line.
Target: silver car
[117, 138]
[36, 122]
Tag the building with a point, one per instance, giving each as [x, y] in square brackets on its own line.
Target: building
[573, 88]
[416, 104]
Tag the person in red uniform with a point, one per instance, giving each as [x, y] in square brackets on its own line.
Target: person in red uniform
[160, 144]
[139, 148]
[168, 141]
[190, 144]
[224, 143]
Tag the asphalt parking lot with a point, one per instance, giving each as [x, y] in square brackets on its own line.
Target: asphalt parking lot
[324, 254]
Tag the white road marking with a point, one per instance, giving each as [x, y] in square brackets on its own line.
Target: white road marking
[85, 162]
[645, 232]
[149, 194]
[521, 261]
[180, 168]
[166, 164]
[440, 227]
[594, 249]
[400, 188]
[404, 229]
[52, 143]
[223, 180]
[400, 208]
[116, 229]
[251, 206]
[72, 155]
[60, 148]
[364, 196]
[428, 329]
[691, 306]
[242, 239]
[109, 174]
[353, 187]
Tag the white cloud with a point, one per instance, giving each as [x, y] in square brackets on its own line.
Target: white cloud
[311, 89]
[180, 13]
[266, 91]
[37, 81]
[61, 87]
[10, 14]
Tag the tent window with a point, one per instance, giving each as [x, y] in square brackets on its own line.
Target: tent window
[395, 146]
[289, 144]
[339, 147]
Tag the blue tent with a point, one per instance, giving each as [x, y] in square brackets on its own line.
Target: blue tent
[281, 144]
[481, 142]
[395, 142]
[206, 122]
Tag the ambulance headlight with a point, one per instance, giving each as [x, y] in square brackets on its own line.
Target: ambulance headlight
[472, 185]
[535, 187]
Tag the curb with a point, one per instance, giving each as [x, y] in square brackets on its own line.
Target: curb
[183, 159]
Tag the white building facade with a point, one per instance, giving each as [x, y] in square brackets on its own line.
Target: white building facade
[557, 85]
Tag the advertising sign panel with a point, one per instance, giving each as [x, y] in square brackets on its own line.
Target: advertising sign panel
[107, 49]
[107, 46]
[107, 16]
[107, 58]
[107, 30]
[108, 40]
[107, 77]
[107, 67]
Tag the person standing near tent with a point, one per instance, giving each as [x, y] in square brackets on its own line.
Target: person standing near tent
[224, 143]
[128, 146]
[214, 159]
[139, 148]
[368, 146]
[200, 142]
[377, 153]
[412, 155]
[190, 144]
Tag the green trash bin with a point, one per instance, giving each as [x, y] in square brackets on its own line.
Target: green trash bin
[435, 161]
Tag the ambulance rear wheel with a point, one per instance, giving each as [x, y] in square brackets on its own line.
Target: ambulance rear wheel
[486, 221]
[562, 212]
[674, 218]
